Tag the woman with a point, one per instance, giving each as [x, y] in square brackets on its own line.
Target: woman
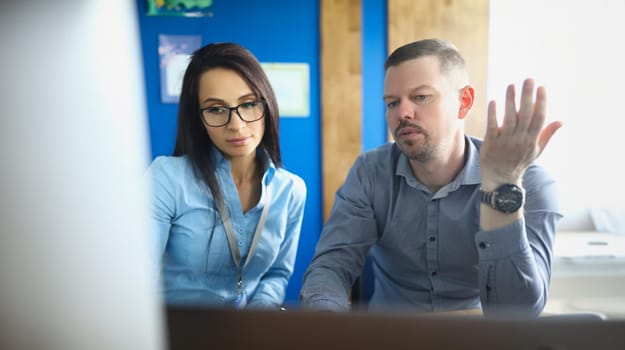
[228, 216]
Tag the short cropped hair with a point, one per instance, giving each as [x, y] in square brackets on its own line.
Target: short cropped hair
[451, 61]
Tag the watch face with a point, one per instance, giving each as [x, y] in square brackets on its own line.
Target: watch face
[509, 198]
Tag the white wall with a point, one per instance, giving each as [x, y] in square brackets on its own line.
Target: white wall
[575, 49]
[75, 265]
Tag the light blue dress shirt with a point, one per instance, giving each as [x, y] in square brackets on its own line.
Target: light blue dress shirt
[427, 250]
[197, 266]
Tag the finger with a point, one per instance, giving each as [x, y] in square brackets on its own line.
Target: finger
[509, 119]
[526, 108]
[546, 135]
[492, 129]
[540, 111]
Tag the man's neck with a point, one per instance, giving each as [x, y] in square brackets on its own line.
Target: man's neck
[443, 169]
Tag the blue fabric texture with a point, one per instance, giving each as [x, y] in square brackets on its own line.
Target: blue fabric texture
[197, 266]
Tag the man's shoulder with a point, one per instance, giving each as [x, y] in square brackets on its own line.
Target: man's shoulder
[384, 154]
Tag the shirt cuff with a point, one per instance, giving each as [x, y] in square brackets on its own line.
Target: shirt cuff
[502, 242]
[326, 305]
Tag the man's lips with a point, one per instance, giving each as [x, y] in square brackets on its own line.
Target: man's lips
[407, 131]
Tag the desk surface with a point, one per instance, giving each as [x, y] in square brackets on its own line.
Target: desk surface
[195, 328]
[589, 244]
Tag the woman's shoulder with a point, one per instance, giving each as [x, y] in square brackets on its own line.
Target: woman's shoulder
[170, 166]
[285, 178]
[171, 163]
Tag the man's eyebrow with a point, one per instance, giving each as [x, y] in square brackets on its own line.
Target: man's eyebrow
[420, 87]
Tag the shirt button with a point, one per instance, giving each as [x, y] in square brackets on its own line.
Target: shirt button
[482, 245]
[433, 273]
[240, 242]
[488, 288]
[432, 239]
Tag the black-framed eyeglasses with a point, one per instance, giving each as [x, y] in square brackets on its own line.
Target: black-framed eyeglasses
[249, 111]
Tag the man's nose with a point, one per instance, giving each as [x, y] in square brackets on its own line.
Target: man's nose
[404, 110]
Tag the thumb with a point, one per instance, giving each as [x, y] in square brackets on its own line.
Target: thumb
[546, 135]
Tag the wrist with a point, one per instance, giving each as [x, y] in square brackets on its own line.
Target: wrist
[489, 184]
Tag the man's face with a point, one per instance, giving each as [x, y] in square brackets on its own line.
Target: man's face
[422, 108]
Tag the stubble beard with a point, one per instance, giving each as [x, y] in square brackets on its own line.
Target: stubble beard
[421, 153]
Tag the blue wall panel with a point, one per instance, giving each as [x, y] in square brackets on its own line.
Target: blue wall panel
[373, 56]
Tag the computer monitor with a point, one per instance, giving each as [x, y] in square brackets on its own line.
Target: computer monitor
[75, 264]
[193, 328]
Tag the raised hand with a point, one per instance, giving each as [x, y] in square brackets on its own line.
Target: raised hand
[510, 148]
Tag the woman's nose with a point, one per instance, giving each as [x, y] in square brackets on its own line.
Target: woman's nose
[236, 122]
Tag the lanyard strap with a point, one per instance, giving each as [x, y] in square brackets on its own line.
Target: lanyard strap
[234, 248]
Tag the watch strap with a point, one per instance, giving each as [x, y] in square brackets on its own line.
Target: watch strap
[487, 198]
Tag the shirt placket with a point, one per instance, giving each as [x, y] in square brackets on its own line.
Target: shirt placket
[431, 243]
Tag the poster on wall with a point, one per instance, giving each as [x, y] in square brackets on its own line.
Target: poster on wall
[174, 53]
[187, 8]
[290, 82]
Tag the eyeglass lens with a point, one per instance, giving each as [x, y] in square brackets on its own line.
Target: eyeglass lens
[247, 111]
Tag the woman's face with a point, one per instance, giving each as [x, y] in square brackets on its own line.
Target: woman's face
[219, 90]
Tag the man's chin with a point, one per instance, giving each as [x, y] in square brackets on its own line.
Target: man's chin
[414, 151]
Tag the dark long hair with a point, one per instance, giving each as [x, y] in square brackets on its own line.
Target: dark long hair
[191, 138]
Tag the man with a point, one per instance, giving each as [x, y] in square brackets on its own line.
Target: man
[450, 222]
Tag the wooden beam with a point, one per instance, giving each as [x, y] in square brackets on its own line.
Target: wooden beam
[341, 84]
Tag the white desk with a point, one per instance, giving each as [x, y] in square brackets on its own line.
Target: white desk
[588, 273]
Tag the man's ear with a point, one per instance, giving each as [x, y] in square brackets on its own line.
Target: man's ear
[467, 95]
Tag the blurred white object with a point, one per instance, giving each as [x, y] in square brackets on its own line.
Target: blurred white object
[588, 246]
[75, 265]
[588, 273]
[610, 220]
[576, 219]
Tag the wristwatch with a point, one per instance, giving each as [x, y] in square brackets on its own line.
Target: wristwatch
[507, 198]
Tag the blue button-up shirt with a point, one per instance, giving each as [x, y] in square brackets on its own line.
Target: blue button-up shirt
[427, 250]
[197, 266]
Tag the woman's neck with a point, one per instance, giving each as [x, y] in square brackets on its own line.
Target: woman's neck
[244, 169]
[245, 172]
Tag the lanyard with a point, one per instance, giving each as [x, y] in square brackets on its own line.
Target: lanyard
[234, 248]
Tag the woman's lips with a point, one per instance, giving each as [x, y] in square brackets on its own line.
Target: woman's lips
[240, 141]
